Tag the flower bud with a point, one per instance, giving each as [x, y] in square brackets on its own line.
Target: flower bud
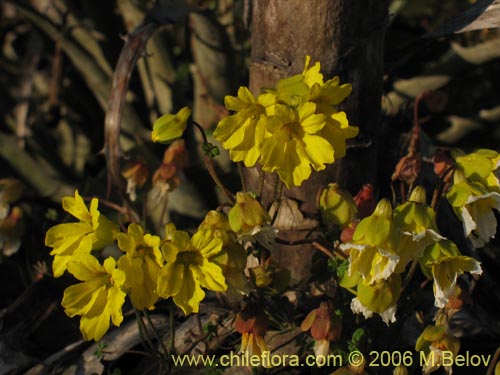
[247, 215]
[337, 206]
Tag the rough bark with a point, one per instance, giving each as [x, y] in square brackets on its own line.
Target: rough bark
[347, 37]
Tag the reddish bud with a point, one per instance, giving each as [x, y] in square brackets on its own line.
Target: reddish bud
[348, 232]
[442, 165]
[365, 201]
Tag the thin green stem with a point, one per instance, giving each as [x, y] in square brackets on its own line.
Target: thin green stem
[202, 131]
[211, 167]
[172, 327]
[143, 332]
[410, 273]
[157, 336]
[244, 186]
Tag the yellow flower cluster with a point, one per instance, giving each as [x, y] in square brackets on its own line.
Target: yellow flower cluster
[179, 267]
[476, 193]
[384, 243]
[290, 128]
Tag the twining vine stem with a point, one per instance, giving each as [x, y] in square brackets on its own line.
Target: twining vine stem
[211, 168]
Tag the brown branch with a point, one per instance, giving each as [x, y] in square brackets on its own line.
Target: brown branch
[132, 50]
[33, 53]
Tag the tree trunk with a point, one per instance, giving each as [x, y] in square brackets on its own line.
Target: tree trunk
[347, 37]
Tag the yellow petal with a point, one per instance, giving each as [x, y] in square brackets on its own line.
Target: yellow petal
[170, 279]
[206, 244]
[85, 267]
[76, 207]
[64, 236]
[210, 276]
[170, 127]
[116, 299]
[80, 298]
[95, 323]
[190, 294]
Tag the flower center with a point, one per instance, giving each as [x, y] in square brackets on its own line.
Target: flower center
[294, 129]
[189, 258]
[142, 251]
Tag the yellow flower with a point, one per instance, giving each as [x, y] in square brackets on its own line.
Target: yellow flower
[232, 259]
[312, 76]
[337, 206]
[433, 341]
[443, 262]
[288, 128]
[98, 298]
[247, 216]
[446, 271]
[243, 132]
[481, 165]
[94, 231]
[473, 202]
[381, 297]
[170, 127]
[293, 146]
[189, 267]
[330, 94]
[373, 250]
[417, 223]
[141, 264]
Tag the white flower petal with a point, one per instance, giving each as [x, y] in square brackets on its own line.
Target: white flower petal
[358, 308]
[388, 316]
[468, 220]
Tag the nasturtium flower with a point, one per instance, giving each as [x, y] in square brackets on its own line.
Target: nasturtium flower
[330, 94]
[93, 231]
[136, 174]
[336, 131]
[98, 298]
[443, 262]
[247, 216]
[473, 203]
[417, 223]
[252, 323]
[289, 128]
[373, 249]
[232, 259]
[380, 297]
[481, 165]
[337, 206]
[445, 272]
[293, 146]
[243, 132]
[189, 268]
[312, 75]
[141, 263]
[170, 127]
[435, 340]
[436, 251]
[291, 91]
[325, 326]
